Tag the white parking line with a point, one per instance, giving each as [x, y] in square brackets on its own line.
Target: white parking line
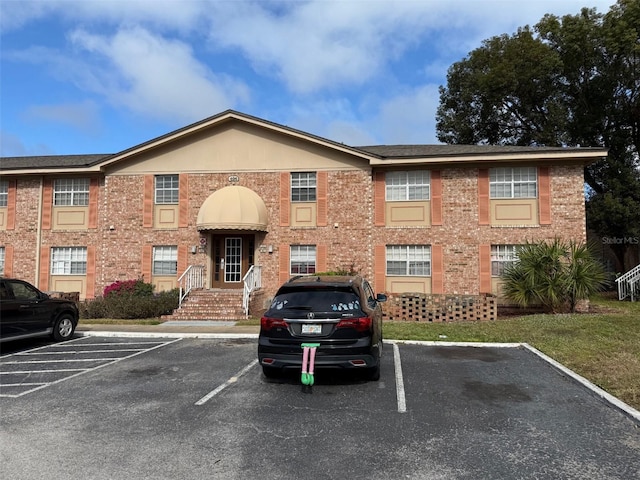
[107, 361]
[233, 379]
[402, 402]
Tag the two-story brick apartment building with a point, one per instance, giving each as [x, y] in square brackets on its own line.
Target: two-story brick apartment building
[235, 191]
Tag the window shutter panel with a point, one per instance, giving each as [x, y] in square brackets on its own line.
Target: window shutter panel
[147, 253]
[93, 203]
[8, 261]
[183, 255]
[47, 204]
[285, 208]
[91, 272]
[45, 268]
[323, 181]
[379, 268]
[485, 268]
[544, 195]
[183, 193]
[379, 199]
[436, 197]
[437, 280]
[321, 258]
[147, 201]
[284, 269]
[11, 207]
[484, 204]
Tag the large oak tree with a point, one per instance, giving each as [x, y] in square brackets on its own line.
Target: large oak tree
[570, 81]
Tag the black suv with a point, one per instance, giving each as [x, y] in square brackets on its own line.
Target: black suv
[341, 313]
[27, 312]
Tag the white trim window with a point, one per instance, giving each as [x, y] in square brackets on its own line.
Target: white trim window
[516, 182]
[409, 260]
[302, 260]
[71, 192]
[68, 260]
[303, 186]
[2, 257]
[166, 189]
[4, 193]
[410, 185]
[165, 260]
[501, 257]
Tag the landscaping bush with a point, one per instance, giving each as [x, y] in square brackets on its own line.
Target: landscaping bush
[556, 275]
[130, 299]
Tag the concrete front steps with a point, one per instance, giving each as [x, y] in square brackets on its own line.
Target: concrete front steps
[209, 305]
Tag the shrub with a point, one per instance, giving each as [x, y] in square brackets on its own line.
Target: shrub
[127, 305]
[555, 275]
[136, 288]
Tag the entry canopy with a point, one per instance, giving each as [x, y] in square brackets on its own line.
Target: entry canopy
[233, 208]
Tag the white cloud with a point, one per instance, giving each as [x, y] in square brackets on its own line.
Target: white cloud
[82, 116]
[155, 77]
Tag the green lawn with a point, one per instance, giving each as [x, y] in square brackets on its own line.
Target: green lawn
[603, 347]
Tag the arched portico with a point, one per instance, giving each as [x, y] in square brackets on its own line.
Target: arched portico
[231, 220]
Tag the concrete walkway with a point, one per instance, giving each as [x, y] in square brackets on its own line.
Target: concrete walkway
[172, 328]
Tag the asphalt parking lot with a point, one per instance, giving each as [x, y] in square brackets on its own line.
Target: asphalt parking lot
[199, 408]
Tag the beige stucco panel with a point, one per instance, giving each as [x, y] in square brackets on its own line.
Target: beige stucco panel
[408, 214]
[165, 216]
[521, 211]
[237, 148]
[303, 214]
[164, 283]
[69, 283]
[70, 218]
[408, 284]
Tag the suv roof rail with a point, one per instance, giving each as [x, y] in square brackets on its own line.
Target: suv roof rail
[295, 278]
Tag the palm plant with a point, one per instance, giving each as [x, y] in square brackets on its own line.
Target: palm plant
[556, 275]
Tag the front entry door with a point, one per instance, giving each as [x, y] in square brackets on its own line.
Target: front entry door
[232, 257]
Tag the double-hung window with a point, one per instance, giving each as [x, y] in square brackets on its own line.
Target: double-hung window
[516, 182]
[166, 190]
[501, 257]
[303, 259]
[4, 193]
[69, 260]
[2, 257]
[303, 187]
[410, 185]
[71, 192]
[165, 260]
[409, 260]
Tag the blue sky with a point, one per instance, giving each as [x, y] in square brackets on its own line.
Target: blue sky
[100, 76]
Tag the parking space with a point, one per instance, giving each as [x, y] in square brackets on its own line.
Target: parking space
[26, 371]
[200, 408]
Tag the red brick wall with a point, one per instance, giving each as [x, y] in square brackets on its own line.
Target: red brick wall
[350, 236]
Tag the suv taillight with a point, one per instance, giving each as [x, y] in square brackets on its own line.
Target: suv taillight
[361, 324]
[267, 323]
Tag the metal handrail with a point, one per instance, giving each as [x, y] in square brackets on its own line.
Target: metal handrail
[193, 277]
[252, 280]
[629, 284]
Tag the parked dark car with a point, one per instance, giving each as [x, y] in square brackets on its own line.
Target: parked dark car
[341, 313]
[27, 312]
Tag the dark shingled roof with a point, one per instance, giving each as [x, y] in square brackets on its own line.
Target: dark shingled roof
[383, 152]
[52, 161]
[425, 151]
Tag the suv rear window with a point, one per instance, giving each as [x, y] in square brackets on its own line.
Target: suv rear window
[318, 300]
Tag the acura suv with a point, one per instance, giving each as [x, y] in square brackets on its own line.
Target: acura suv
[340, 313]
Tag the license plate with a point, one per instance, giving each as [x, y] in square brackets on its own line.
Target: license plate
[311, 328]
